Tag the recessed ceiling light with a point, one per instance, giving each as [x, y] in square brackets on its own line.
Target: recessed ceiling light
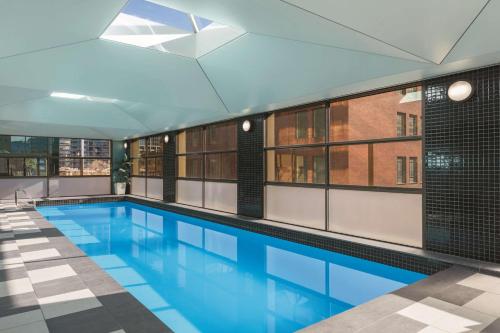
[460, 91]
[59, 94]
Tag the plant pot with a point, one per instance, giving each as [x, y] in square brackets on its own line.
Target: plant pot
[120, 188]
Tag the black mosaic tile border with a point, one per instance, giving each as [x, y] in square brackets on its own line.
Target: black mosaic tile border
[169, 168]
[385, 256]
[251, 168]
[76, 201]
[462, 164]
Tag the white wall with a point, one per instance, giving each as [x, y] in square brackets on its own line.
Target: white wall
[296, 205]
[391, 217]
[221, 196]
[138, 186]
[190, 192]
[154, 188]
[68, 186]
[34, 187]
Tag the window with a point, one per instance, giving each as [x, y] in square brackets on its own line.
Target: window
[208, 153]
[296, 165]
[146, 156]
[30, 156]
[413, 170]
[401, 170]
[401, 124]
[301, 163]
[373, 117]
[412, 125]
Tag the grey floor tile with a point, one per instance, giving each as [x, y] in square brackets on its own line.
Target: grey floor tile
[458, 294]
[394, 324]
[96, 320]
[434, 284]
[12, 273]
[14, 304]
[59, 286]
[364, 315]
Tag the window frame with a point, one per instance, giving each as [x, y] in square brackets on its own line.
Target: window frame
[208, 133]
[328, 144]
[51, 158]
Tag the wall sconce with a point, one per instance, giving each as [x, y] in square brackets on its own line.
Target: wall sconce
[125, 145]
[247, 125]
[460, 91]
[166, 138]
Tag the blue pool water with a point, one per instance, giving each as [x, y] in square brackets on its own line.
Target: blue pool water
[199, 276]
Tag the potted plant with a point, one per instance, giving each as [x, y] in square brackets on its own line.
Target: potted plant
[121, 176]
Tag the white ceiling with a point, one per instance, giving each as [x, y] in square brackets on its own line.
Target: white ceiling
[290, 52]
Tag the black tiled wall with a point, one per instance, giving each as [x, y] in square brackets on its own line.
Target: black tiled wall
[251, 168]
[169, 168]
[462, 167]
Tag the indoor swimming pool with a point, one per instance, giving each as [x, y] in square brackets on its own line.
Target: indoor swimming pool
[200, 276]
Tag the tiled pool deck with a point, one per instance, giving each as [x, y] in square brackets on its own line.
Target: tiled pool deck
[48, 284]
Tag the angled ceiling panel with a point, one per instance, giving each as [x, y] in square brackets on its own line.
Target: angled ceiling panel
[482, 37]
[426, 28]
[70, 112]
[248, 78]
[27, 25]
[116, 71]
[280, 19]
[14, 95]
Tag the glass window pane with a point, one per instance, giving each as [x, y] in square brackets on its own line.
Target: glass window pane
[377, 164]
[31, 165]
[190, 166]
[69, 167]
[96, 148]
[401, 124]
[298, 127]
[413, 170]
[70, 147]
[155, 145]
[138, 167]
[221, 137]
[220, 166]
[349, 165]
[4, 166]
[151, 169]
[194, 140]
[36, 145]
[159, 167]
[18, 145]
[138, 148]
[374, 116]
[298, 165]
[413, 125]
[4, 144]
[42, 167]
[309, 165]
[16, 167]
[96, 167]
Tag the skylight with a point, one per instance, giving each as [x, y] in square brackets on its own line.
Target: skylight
[151, 24]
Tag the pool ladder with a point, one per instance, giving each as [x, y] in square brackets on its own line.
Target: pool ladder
[26, 196]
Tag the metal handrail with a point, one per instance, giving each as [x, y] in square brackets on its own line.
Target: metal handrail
[16, 197]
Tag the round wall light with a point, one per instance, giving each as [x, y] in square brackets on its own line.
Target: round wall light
[166, 138]
[246, 126]
[460, 91]
[125, 145]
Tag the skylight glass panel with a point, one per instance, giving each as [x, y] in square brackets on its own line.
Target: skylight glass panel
[160, 14]
[151, 24]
